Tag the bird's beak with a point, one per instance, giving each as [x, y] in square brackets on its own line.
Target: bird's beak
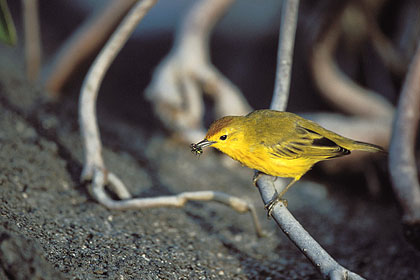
[198, 148]
[204, 143]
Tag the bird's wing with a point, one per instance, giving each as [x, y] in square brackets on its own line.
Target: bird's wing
[304, 142]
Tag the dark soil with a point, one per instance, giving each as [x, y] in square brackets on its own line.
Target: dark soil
[50, 228]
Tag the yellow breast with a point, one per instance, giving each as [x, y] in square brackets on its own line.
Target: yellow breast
[269, 164]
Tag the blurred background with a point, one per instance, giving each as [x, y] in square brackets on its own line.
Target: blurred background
[244, 47]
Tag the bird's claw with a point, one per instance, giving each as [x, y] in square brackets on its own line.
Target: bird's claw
[256, 177]
[270, 205]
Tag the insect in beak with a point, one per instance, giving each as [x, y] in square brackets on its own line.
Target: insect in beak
[198, 148]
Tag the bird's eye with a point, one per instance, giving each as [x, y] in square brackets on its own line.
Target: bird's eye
[223, 137]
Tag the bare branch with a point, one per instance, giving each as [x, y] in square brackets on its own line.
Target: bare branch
[289, 17]
[338, 88]
[32, 38]
[326, 265]
[117, 186]
[178, 82]
[407, 28]
[90, 88]
[97, 191]
[402, 162]
[86, 40]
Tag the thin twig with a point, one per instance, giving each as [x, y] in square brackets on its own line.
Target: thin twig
[84, 41]
[402, 162]
[87, 118]
[288, 23]
[32, 38]
[326, 265]
[98, 192]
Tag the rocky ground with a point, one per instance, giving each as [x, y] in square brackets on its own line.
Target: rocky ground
[50, 228]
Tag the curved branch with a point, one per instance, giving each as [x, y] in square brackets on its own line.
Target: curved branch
[98, 192]
[87, 39]
[327, 266]
[338, 88]
[179, 81]
[87, 113]
[402, 162]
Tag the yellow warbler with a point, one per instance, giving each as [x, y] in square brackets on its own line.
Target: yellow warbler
[277, 143]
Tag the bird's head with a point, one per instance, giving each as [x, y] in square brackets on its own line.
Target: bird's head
[224, 134]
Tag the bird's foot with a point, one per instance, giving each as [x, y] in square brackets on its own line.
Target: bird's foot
[270, 205]
[257, 175]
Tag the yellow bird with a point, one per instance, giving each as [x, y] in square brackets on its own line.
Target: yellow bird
[278, 144]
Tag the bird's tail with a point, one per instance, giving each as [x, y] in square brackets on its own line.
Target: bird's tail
[367, 147]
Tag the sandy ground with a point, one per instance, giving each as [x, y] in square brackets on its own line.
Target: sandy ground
[51, 229]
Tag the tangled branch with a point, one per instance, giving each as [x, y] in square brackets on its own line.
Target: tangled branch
[181, 78]
[94, 168]
[338, 88]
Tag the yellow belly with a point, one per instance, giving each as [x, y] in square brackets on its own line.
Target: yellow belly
[275, 166]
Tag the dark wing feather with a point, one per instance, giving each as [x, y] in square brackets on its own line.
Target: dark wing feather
[307, 143]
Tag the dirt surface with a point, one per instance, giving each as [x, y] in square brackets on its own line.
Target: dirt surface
[50, 228]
